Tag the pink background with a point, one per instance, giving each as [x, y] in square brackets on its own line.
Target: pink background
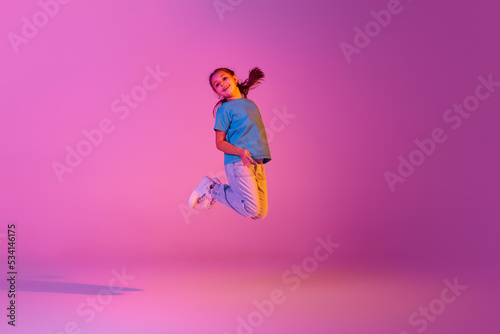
[124, 205]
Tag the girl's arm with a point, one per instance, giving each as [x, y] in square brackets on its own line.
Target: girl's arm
[224, 146]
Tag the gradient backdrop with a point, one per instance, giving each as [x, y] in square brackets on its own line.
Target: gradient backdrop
[371, 144]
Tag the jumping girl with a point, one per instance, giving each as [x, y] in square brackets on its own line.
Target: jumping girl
[240, 134]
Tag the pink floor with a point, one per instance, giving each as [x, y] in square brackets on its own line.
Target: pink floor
[214, 298]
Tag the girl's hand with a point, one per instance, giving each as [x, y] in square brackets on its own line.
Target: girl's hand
[224, 146]
[246, 158]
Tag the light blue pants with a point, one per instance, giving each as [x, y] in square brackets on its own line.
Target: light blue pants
[246, 192]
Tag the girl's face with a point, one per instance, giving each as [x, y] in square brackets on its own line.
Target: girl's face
[226, 85]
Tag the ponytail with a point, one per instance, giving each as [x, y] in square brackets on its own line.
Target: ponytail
[255, 77]
[254, 80]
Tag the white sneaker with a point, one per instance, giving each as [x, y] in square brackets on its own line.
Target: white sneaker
[211, 201]
[201, 192]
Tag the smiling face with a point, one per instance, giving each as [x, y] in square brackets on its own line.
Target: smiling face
[225, 85]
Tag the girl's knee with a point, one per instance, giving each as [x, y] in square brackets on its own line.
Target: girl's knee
[259, 217]
[251, 208]
[261, 214]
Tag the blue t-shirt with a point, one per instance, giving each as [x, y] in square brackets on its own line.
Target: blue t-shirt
[241, 121]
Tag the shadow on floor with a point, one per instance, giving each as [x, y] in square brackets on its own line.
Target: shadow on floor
[63, 287]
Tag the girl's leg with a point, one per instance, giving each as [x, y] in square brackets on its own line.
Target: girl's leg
[243, 193]
[260, 177]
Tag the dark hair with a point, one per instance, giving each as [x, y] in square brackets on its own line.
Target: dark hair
[254, 79]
